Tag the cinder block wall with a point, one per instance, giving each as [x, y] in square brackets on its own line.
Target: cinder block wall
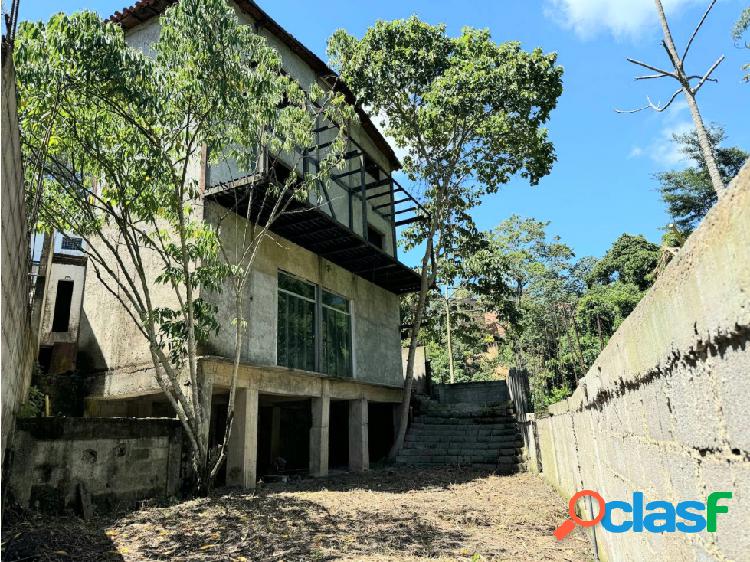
[664, 410]
[18, 341]
[117, 460]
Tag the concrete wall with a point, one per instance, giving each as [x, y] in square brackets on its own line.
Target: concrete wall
[375, 311]
[664, 409]
[118, 461]
[143, 36]
[484, 392]
[68, 269]
[18, 338]
[109, 340]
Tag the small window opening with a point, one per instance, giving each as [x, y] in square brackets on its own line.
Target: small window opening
[72, 243]
[375, 237]
[63, 300]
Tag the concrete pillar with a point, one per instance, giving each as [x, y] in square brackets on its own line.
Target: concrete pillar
[359, 453]
[319, 434]
[242, 450]
[275, 433]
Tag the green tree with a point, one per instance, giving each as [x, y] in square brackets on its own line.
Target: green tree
[688, 193]
[738, 31]
[110, 136]
[631, 260]
[468, 112]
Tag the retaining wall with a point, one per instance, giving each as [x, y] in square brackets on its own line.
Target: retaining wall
[18, 337]
[116, 461]
[664, 409]
[484, 392]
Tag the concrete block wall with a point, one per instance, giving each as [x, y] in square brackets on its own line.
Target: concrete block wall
[664, 409]
[484, 392]
[117, 460]
[18, 340]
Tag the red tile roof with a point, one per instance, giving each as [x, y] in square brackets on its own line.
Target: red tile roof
[144, 10]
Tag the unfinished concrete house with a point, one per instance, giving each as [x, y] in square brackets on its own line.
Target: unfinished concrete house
[321, 367]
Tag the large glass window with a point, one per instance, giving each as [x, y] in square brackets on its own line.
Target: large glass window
[314, 328]
[336, 352]
[296, 323]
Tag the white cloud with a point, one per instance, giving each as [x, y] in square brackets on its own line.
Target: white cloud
[622, 18]
[635, 152]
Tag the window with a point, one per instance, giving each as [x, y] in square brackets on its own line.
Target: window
[296, 323]
[72, 243]
[337, 336]
[63, 300]
[375, 237]
[314, 330]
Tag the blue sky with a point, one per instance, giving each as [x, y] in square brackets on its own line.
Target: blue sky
[602, 184]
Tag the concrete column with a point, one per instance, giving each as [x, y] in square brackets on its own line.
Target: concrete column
[275, 433]
[319, 434]
[359, 453]
[242, 450]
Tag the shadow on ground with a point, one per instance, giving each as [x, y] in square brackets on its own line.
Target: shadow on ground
[28, 536]
[381, 515]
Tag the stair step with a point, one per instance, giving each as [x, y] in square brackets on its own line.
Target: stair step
[446, 420]
[482, 436]
[460, 460]
[480, 446]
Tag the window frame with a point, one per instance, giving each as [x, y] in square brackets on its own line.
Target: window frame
[319, 305]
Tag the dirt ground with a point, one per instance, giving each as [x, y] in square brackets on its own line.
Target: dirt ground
[444, 514]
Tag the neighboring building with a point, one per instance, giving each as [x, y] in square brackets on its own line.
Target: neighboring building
[61, 312]
[321, 367]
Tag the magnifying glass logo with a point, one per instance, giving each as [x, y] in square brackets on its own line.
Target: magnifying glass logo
[569, 524]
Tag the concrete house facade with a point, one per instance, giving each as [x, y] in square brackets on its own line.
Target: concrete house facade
[321, 363]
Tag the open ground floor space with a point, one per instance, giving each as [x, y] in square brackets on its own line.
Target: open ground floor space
[387, 514]
[286, 422]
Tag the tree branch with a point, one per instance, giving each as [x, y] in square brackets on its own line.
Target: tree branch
[697, 28]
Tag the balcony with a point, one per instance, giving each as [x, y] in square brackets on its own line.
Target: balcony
[351, 220]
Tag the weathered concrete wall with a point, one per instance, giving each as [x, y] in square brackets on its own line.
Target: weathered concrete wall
[472, 392]
[118, 461]
[422, 376]
[143, 37]
[18, 338]
[110, 342]
[664, 409]
[375, 311]
[66, 268]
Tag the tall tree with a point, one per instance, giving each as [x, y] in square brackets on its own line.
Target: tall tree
[679, 74]
[468, 112]
[688, 193]
[111, 137]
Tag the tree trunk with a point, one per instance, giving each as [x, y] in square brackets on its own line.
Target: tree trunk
[448, 332]
[705, 144]
[416, 323]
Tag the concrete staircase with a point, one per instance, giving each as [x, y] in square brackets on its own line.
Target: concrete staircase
[466, 434]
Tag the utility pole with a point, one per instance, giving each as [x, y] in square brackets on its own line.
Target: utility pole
[448, 334]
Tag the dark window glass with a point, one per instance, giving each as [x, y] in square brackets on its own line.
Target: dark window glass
[375, 237]
[296, 323]
[336, 353]
[63, 300]
[70, 243]
[296, 286]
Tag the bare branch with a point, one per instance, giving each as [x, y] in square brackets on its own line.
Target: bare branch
[697, 28]
[652, 105]
[654, 68]
[706, 76]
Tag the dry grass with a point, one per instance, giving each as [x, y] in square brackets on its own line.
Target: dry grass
[445, 514]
